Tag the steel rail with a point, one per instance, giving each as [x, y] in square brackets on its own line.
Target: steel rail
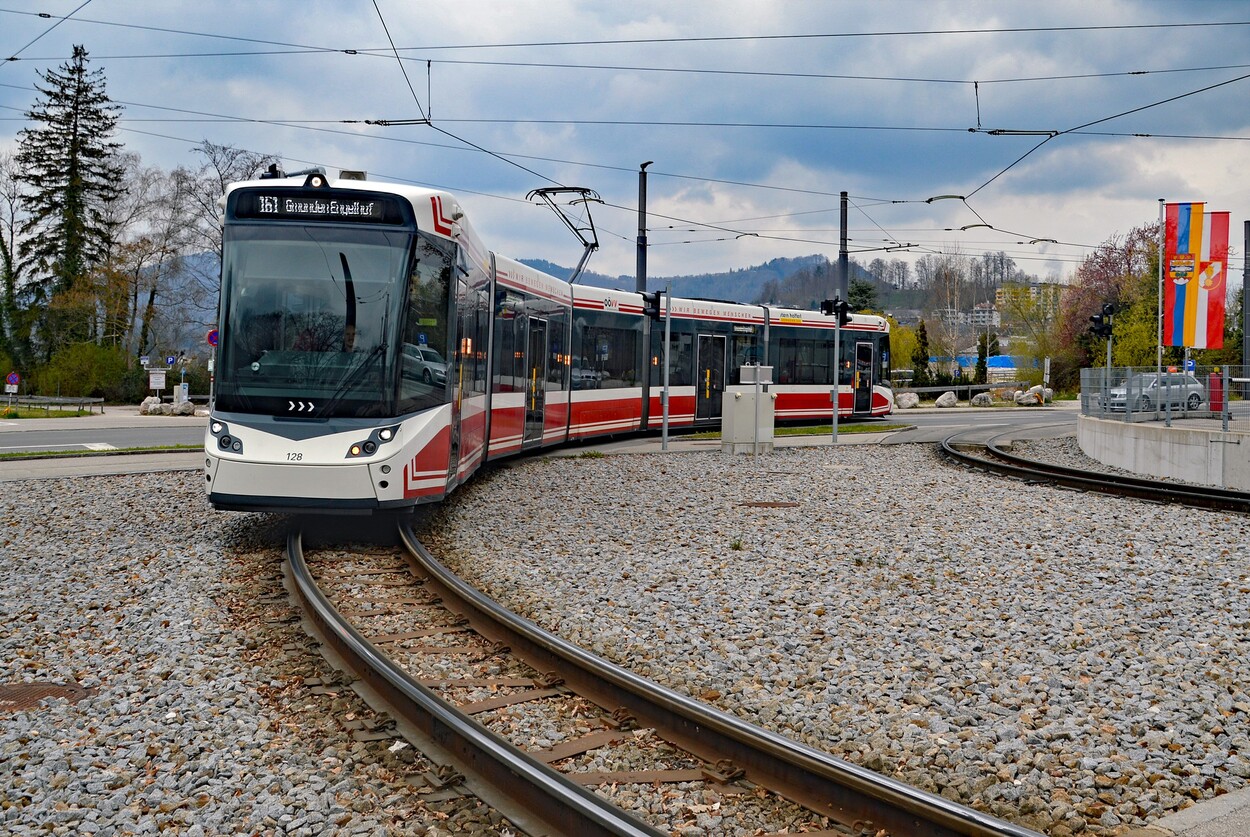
[1010, 464]
[839, 789]
[538, 790]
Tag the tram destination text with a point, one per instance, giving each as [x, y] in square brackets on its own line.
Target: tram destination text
[271, 205]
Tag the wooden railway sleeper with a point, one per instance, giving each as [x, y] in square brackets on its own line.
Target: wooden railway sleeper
[526, 696]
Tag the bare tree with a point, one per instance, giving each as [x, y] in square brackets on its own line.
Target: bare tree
[10, 219]
[203, 188]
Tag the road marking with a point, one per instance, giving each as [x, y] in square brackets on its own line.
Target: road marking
[87, 445]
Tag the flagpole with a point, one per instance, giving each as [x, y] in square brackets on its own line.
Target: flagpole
[1162, 257]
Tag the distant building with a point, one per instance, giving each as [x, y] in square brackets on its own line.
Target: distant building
[984, 315]
[1016, 296]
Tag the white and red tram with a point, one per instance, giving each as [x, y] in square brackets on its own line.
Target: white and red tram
[373, 353]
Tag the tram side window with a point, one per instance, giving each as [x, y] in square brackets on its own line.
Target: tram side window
[423, 361]
[511, 337]
[681, 362]
[745, 351]
[605, 355]
[803, 361]
[846, 357]
[480, 330]
[557, 351]
[472, 305]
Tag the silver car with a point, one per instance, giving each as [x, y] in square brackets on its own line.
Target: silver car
[1148, 391]
[424, 364]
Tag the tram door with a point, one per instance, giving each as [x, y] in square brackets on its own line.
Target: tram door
[862, 381]
[535, 381]
[709, 376]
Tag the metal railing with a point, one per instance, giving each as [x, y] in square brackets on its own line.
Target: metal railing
[1216, 396]
[46, 402]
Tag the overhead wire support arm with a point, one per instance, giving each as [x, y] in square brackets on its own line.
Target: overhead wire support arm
[583, 229]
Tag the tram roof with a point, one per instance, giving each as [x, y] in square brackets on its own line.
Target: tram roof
[437, 211]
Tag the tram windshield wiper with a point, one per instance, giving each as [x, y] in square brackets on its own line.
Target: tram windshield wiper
[358, 371]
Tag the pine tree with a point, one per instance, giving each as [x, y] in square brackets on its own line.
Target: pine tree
[920, 358]
[982, 371]
[862, 295]
[68, 164]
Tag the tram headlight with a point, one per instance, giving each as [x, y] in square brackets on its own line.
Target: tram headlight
[371, 445]
[225, 441]
[217, 427]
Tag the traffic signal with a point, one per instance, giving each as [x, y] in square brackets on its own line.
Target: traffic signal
[1100, 324]
[651, 304]
[830, 307]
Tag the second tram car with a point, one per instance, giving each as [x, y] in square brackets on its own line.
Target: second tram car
[373, 353]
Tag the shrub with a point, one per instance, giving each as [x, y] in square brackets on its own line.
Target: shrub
[82, 369]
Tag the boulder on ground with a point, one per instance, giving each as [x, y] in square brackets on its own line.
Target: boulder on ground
[906, 400]
[150, 406]
[1035, 396]
[982, 399]
[946, 399]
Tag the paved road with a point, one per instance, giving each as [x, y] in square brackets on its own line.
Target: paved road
[117, 428]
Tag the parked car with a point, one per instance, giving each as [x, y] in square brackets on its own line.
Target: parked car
[421, 363]
[1148, 391]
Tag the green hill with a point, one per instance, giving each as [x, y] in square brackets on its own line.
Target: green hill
[797, 282]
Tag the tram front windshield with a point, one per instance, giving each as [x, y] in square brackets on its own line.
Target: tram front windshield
[309, 318]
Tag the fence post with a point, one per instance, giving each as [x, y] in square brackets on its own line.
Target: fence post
[1224, 406]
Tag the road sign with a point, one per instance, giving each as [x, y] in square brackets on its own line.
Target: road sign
[143, 360]
[13, 378]
[211, 337]
[156, 379]
[169, 360]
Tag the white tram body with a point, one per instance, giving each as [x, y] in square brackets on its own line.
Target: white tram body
[373, 354]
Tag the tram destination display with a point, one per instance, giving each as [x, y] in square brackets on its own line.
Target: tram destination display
[316, 205]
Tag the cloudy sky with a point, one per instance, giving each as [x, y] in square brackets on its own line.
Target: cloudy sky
[1061, 121]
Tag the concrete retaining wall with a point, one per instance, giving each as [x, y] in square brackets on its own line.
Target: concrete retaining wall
[1207, 456]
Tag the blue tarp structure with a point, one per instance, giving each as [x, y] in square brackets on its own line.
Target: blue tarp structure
[996, 362]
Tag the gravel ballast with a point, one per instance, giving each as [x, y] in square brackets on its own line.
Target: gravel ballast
[200, 721]
[1076, 663]
[1069, 661]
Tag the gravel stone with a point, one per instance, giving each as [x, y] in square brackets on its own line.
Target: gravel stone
[199, 723]
[1076, 663]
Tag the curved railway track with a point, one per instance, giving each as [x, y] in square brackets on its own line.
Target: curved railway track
[993, 455]
[540, 798]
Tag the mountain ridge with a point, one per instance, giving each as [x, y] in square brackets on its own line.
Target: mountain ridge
[746, 284]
